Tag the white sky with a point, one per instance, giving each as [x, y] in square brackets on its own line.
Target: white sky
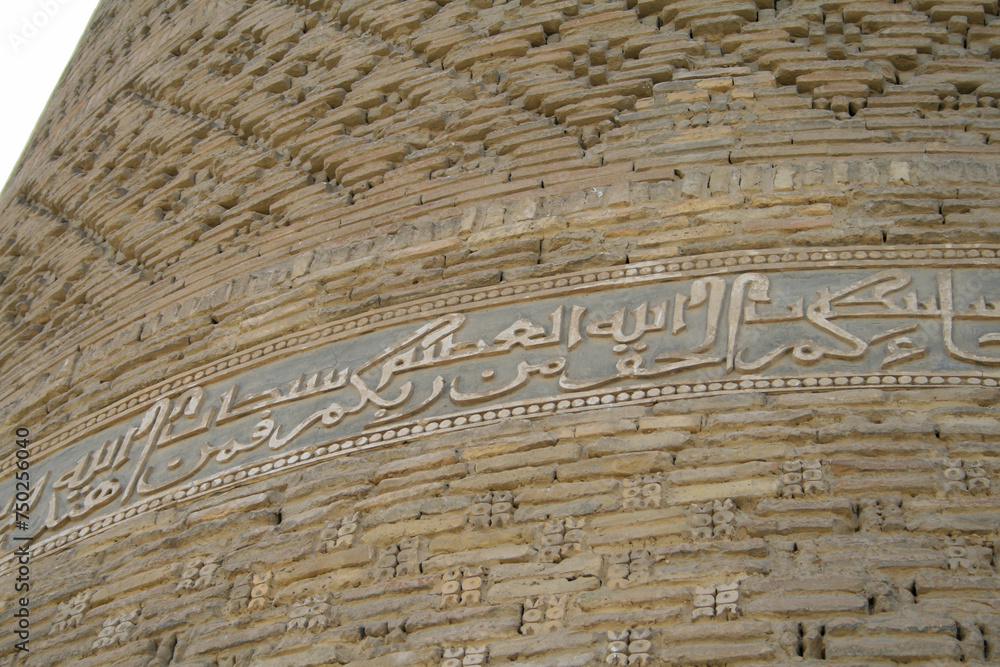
[33, 56]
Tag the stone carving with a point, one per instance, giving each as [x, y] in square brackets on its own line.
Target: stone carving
[239, 660]
[973, 643]
[712, 520]
[392, 631]
[960, 555]
[789, 638]
[812, 641]
[762, 314]
[310, 614]
[164, 652]
[462, 656]
[340, 533]
[462, 586]
[401, 559]
[197, 573]
[802, 478]
[629, 568]
[543, 614]
[629, 647]
[239, 593]
[261, 591]
[964, 477]
[69, 614]
[642, 492]
[116, 630]
[883, 513]
[561, 539]
[492, 509]
[719, 601]
[884, 596]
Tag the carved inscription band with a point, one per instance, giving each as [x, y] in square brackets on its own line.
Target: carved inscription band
[774, 321]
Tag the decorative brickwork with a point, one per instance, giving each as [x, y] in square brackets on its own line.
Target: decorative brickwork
[474, 332]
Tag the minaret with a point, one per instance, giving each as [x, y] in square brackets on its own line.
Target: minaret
[543, 332]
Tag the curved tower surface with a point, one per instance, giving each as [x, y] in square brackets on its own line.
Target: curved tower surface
[546, 333]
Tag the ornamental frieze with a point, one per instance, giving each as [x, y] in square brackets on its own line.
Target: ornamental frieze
[782, 320]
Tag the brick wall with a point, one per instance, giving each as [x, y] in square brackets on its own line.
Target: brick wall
[210, 176]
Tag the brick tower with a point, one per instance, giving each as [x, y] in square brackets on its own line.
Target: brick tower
[541, 333]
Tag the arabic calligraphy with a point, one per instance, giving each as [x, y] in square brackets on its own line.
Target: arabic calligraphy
[724, 326]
